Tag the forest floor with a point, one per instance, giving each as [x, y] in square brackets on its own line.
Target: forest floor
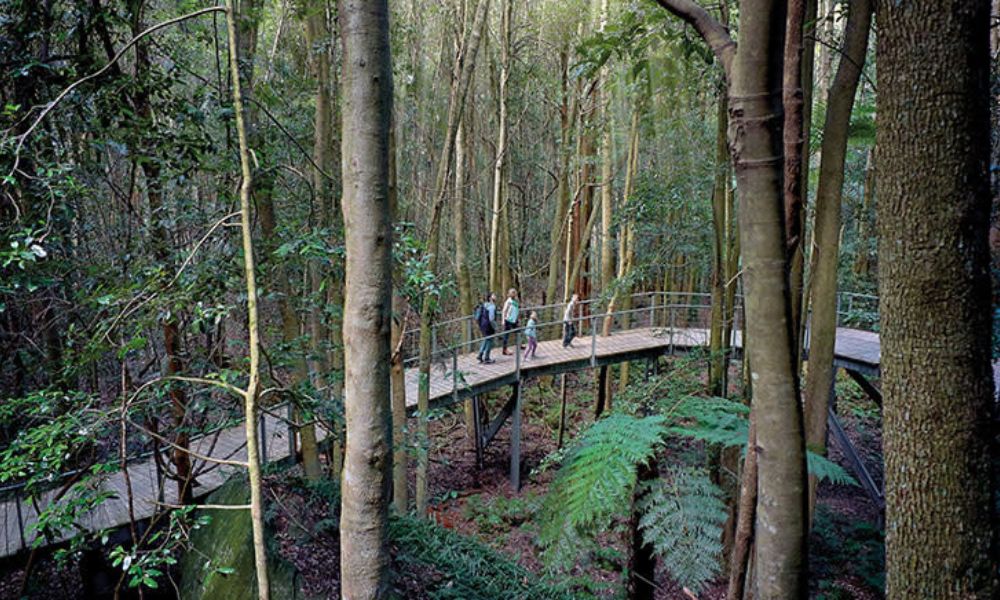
[846, 545]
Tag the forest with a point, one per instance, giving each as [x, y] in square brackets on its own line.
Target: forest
[499, 299]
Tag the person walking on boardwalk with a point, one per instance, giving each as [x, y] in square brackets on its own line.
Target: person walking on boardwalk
[569, 325]
[511, 311]
[485, 315]
[531, 332]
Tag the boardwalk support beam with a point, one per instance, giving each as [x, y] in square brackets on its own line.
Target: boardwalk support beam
[515, 441]
[867, 482]
[873, 392]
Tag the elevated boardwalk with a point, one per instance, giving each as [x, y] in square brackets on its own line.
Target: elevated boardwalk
[455, 378]
[455, 375]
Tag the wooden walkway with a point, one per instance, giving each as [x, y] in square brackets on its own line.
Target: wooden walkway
[471, 377]
[854, 348]
[17, 516]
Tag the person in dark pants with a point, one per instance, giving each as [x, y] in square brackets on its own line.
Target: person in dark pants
[511, 311]
[486, 314]
[569, 325]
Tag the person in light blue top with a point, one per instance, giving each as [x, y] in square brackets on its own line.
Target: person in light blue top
[531, 331]
[511, 311]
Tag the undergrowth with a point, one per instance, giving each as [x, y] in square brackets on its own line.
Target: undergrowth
[464, 568]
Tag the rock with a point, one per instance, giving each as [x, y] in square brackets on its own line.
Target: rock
[227, 542]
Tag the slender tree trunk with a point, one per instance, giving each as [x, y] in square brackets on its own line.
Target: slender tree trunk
[795, 166]
[400, 456]
[367, 116]
[746, 512]
[720, 226]
[456, 105]
[567, 116]
[754, 111]
[826, 231]
[934, 285]
[499, 250]
[641, 583]
[253, 335]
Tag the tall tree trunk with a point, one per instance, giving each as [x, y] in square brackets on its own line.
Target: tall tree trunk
[754, 71]
[400, 455]
[253, 335]
[499, 241]
[754, 111]
[567, 116]
[826, 231]
[795, 166]
[367, 116]
[317, 33]
[456, 105]
[719, 361]
[466, 299]
[933, 217]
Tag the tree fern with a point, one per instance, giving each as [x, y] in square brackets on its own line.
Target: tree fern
[683, 515]
[711, 420]
[599, 474]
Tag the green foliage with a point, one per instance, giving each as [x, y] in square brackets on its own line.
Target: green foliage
[711, 420]
[825, 469]
[598, 476]
[844, 547]
[500, 513]
[683, 516]
[468, 569]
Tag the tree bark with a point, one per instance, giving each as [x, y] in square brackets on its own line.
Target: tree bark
[754, 74]
[795, 167]
[826, 231]
[367, 116]
[719, 361]
[934, 285]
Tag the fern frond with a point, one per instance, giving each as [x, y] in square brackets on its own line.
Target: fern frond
[683, 517]
[599, 474]
[824, 468]
[711, 420]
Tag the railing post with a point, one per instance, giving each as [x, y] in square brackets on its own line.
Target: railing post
[517, 354]
[20, 518]
[290, 415]
[454, 374]
[673, 322]
[593, 342]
